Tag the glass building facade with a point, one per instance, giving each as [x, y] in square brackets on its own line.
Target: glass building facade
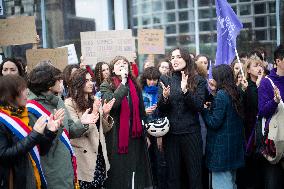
[177, 18]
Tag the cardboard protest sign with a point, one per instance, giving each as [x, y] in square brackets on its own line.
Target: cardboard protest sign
[57, 57]
[17, 31]
[72, 55]
[104, 46]
[151, 41]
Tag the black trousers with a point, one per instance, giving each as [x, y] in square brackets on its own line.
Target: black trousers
[183, 155]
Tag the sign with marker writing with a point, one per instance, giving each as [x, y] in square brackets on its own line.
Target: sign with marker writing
[151, 41]
[104, 46]
[72, 55]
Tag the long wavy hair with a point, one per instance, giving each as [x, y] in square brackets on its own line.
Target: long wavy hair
[99, 78]
[190, 68]
[223, 75]
[77, 84]
[130, 75]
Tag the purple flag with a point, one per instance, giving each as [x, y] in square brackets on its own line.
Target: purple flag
[228, 27]
[210, 70]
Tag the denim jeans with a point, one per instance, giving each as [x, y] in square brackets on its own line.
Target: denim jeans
[224, 180]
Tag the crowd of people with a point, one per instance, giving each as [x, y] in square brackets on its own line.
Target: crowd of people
[84, 127]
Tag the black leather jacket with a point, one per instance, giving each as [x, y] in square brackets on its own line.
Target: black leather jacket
[14, 157]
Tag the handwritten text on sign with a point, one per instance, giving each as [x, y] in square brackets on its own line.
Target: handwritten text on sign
[151, 41]
[104, 46]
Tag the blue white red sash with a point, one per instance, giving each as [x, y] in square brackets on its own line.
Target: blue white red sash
[21, 130]
[39, 110]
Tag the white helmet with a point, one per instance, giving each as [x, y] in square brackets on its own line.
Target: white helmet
[158, 127]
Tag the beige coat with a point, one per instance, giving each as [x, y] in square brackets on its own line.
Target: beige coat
[86, 147]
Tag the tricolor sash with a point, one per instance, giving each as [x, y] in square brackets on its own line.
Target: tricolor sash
[21, 130]
[39, 110]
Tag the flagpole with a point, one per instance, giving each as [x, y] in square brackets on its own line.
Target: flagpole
[241, 66]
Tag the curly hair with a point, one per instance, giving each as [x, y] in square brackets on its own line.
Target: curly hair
[224, 77]
[99, 78]
[190, 68]
[149, 73]
[66, 74]
[77, 84]
[130, 75]
[41, 78]
[170, 65]
[19, 64]
[11, 87]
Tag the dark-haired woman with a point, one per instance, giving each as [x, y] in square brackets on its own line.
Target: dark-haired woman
[90, 148]
[101, 73]
[126, 144]
[181, 98]
[149, 83]
[12, 66]
[67, 73]
[59, 163]
[165, 67]
[225, 129]
[18, 140]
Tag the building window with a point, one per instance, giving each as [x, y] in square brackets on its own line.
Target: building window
[146, 8]
[244, 0]
[184, 28]
[260, 35]
[204, 26]
[170, 5]
[157, 6]
[245, 9]
[146, 20]
[272, 8]
[171, 41]
[260, 22]
[135, 21]
[183, 16]
[205, 38]
[203, 3]
[182, 4]
[171, 29]
[204, 13]
[260, 8]
[171, 17]
[157, 18]
[272, 20]
[232, 1]
[273, 34]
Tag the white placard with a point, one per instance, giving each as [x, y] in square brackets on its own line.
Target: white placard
[72, 55]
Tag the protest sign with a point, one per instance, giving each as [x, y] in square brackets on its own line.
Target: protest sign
[104, 46]
[72, 55]
[17, 31]
[56, 57]
[151, 41]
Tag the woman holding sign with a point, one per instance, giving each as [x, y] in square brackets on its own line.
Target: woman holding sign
[180, 99]
[19, 153]
[126, 143]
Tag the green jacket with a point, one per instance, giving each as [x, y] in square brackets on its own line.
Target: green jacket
[57, 164]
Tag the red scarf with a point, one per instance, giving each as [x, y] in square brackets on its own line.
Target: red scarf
[123, 137]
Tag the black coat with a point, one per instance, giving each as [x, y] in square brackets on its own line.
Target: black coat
[182, 109]
[14, 157]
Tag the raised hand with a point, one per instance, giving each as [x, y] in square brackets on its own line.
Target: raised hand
[89, 118]
[40, 125]
[166, 90]
[59, 115]
[244, 83]
[96, 105]
[277, 96]
[108, 106]
[183, 82]
[212, 86]
[53, 124]
[151, 109]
